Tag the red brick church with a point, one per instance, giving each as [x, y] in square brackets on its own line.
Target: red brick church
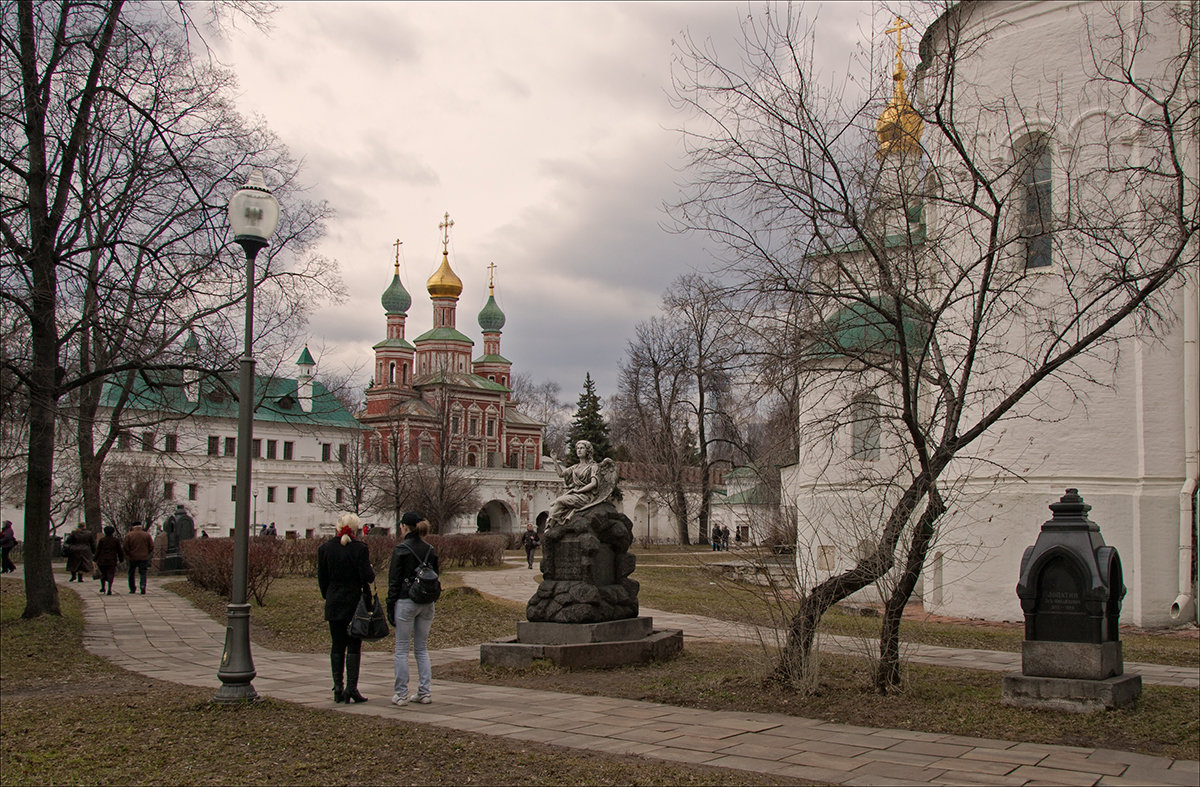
[430, 393]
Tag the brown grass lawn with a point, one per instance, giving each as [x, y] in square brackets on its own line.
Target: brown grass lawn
[72, 718]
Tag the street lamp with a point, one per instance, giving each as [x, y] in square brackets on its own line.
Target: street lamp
[253, 215]
[254, 519]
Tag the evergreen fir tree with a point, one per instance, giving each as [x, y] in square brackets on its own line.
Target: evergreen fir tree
[589, 424]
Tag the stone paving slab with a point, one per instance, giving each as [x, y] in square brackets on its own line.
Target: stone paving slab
[140, 633]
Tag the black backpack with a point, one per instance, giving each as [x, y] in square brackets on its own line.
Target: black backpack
[424, 587]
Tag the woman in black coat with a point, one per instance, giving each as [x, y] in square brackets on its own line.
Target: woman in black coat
[344, 575]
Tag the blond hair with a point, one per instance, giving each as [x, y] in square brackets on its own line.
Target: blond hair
[347, 521]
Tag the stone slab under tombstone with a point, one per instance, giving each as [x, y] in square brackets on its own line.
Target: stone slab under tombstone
[585, 611]
[1071, 588]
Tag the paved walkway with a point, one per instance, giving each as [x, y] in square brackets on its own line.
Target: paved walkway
[162, 635]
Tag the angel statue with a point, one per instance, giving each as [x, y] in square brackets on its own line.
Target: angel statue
[588, 483]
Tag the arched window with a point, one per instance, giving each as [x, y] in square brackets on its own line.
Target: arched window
[1036, 200]
[391, 374]
[864, 427]
[404, 373]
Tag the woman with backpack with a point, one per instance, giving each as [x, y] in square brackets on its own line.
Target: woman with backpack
[344, 574]
[411, 558]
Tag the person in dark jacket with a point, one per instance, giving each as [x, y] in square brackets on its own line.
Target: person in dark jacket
[8, 541]
[81, 547]
[139, 547]
[108, 554]
[530, 541]
[412, 620]
[344, 574]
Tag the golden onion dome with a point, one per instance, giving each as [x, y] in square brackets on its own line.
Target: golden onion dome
[444, 283]
[899, 126]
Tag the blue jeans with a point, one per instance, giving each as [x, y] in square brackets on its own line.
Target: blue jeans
[412, 622]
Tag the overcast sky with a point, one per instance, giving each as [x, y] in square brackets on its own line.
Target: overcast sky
[546, 131]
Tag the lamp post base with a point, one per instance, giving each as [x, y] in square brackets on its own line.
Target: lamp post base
[237, 666]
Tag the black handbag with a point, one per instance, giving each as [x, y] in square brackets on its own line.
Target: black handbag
[368, 624]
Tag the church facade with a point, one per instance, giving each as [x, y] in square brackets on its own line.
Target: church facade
[1122, 427]
[431, 402]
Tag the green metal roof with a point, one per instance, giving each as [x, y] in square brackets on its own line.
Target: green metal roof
[868, 328]
[442, 335]
[306, 358]
[459, 380]
[400, 343]
[492, 359]
[277, 397]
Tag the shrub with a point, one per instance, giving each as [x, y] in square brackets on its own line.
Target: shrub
[209, 563]
[298, 556]
[473, 550]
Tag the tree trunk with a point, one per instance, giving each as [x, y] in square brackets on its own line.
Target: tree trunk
[796, 658]
[887, 674]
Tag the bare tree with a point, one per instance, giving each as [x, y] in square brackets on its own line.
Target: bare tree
[118, 152]
[652, 413]
[900, 249]
[134, 491]
[356, 478]
[541, 401]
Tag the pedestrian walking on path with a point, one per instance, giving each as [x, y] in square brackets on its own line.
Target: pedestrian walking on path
[81, 549]
[139, 546]
[412, 619]
[344, 575]
[8, 540]
[108, 554]
[530, 541]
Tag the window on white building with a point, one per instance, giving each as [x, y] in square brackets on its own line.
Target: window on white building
[864, 427]
[1036, 200]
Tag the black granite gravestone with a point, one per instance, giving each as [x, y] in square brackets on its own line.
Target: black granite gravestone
[1071, 588]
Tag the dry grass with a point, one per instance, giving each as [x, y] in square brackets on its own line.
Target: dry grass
[76, 719]
[724, 676]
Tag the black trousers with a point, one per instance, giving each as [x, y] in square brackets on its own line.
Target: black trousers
[140, 566]
[343, 642]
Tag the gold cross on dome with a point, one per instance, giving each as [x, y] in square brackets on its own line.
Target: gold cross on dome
[491, 278]
[897, 27]
[445, 226]
[398, 244]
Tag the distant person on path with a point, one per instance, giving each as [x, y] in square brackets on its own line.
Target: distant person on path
[139, 547]
[716, 538]
[108, 554]
[8, 540]
[530, 540]
[413, 620]
[344, 575]
[81, 548]
[725, 538]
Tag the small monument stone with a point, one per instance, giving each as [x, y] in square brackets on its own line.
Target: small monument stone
[1071, 588]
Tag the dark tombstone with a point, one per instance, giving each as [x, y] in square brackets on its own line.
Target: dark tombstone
[176, 528]
[1071, 587]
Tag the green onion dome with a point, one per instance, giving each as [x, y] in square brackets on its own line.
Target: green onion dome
[396, 299]
[490, 317]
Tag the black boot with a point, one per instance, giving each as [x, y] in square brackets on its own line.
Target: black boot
[337, 661]
[353, 661]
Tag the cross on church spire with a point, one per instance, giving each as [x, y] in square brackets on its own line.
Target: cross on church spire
[445, 226]
[398, 244]
[491, 278]
[898, 27]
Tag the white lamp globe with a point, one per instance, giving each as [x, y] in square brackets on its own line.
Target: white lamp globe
[253, 211]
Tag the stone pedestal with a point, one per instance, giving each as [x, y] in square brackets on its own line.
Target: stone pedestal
[584, 645]
[1072, 695]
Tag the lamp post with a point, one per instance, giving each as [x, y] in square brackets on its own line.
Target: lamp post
[254, 519]
[253, 215]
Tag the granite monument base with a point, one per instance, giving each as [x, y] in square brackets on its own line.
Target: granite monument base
[1072, 695]
[611, 643]
[1083, 660]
